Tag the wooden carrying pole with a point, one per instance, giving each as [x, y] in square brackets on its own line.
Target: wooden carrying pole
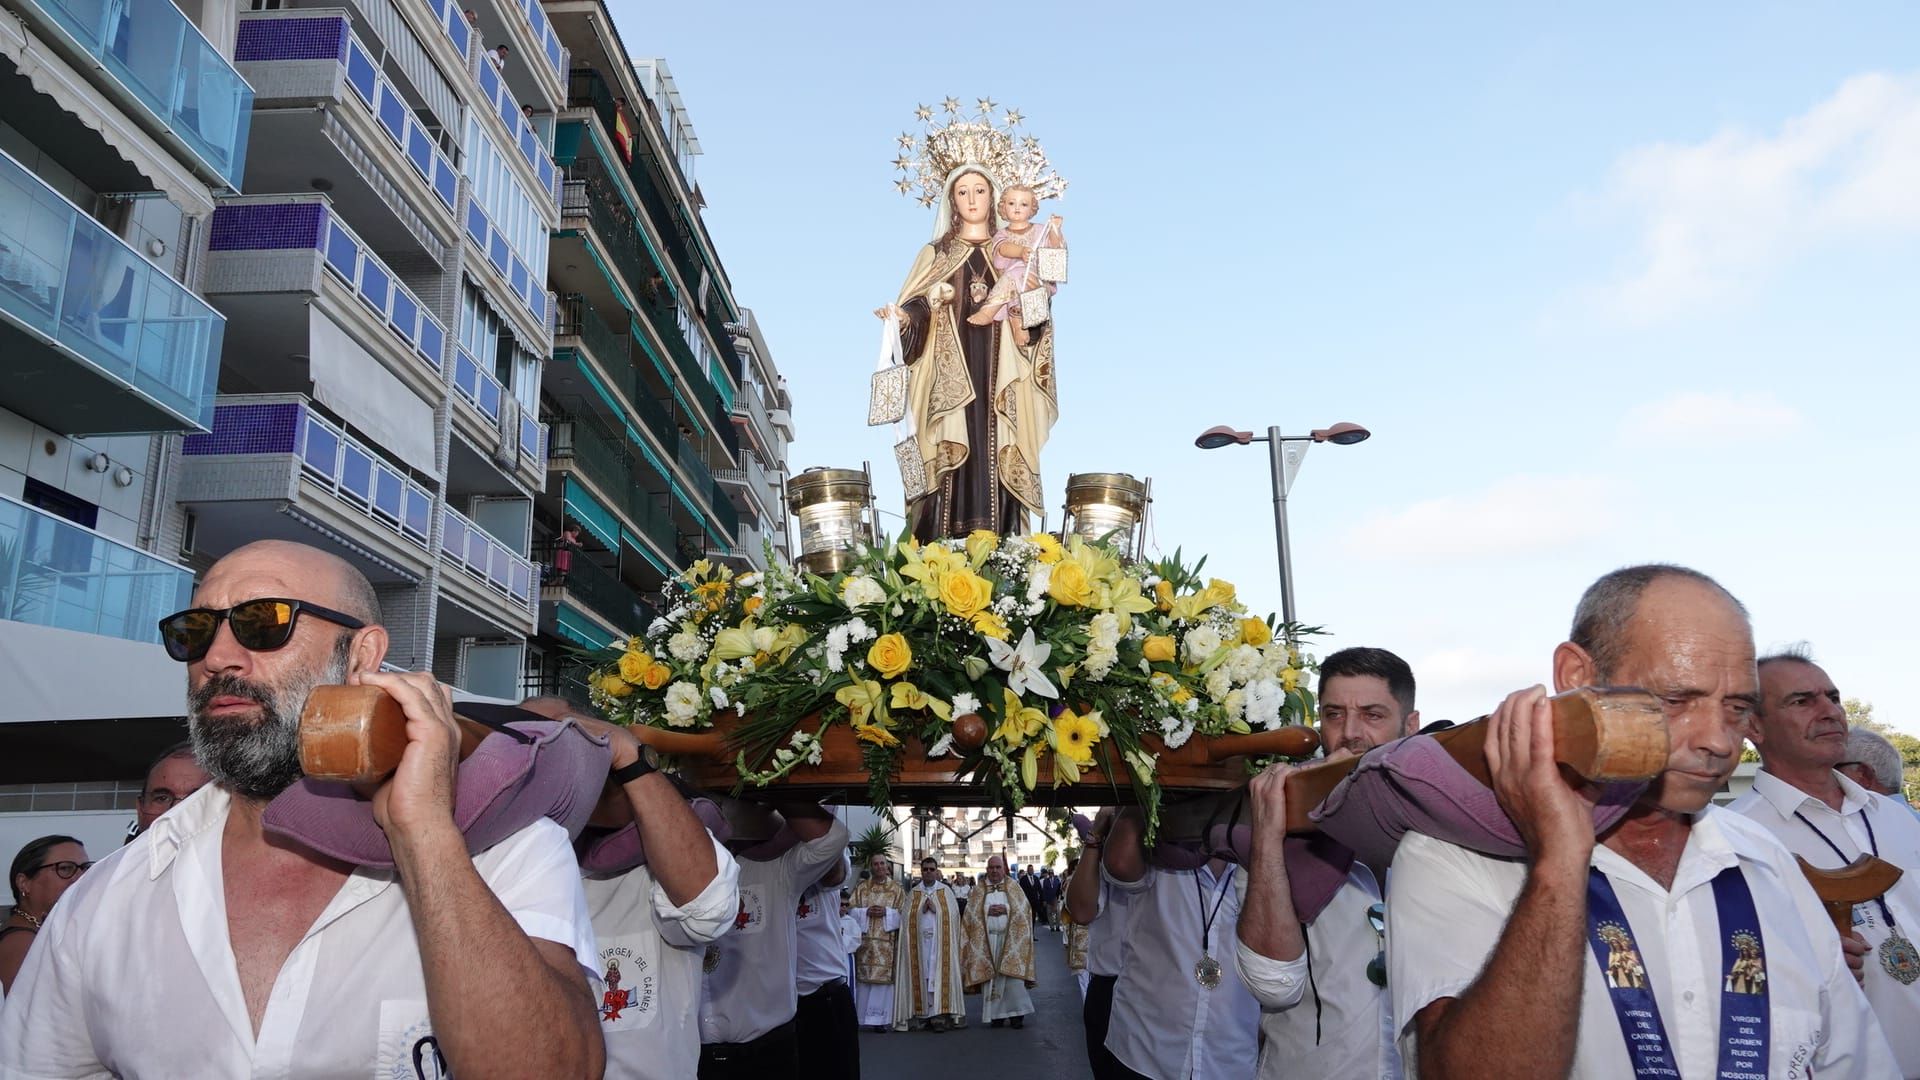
[1866, 878]
[1601, 733]
[356, 734]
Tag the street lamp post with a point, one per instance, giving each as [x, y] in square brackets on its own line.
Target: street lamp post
[1285, 462]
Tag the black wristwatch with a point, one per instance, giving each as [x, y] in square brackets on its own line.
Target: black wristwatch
[639, 767]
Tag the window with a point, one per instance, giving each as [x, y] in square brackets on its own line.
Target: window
[508, 206]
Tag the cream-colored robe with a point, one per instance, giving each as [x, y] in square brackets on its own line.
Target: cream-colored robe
[939, 389]
[873, 960]
[998, 954]
[926, 972]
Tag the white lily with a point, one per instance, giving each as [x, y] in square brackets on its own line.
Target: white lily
[1022, 664]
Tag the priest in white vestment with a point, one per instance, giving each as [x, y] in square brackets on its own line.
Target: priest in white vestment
[927, 972]
[877, 904]
[998, 954]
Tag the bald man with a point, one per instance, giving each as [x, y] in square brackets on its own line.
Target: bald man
[207, 948]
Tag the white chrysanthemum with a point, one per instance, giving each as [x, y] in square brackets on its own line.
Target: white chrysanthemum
[1100, 661]
[940, 746]
[1235, 703]
[1037, 584]
[860, 591]
[1104, 631]
[683, 703]
[964, 703]
[1218, 683]
[1264, 698]
[1243, 663]
[858, 631]
[1175, 731]
[1201, 642]
[687, 646]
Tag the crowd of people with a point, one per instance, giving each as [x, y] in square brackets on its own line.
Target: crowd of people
[1629, 932]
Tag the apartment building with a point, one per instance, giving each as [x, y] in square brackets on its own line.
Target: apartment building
[646, 379]
[120, 129]
[964, 837]
[422, 283]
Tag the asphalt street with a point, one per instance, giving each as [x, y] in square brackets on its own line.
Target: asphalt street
[1052, 1045]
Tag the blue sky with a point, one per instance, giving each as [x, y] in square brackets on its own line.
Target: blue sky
[1608, 285]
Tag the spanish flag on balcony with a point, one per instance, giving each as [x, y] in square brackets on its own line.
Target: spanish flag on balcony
[623, 135]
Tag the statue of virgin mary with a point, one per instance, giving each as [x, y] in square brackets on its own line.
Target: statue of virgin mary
[981, 398]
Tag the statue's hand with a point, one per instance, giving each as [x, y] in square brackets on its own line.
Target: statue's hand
[883, 312]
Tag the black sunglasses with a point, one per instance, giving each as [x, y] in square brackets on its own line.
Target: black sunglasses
[258, 625]
[66, 868]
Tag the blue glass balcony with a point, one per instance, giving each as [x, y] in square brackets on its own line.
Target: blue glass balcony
[56, 573]
[94, 339]
[152, 52]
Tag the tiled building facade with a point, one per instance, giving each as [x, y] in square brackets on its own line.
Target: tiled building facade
[350, 273]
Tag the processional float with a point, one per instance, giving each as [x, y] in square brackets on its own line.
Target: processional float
[973, 662]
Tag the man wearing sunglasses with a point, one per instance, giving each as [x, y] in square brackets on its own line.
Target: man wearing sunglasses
[1321, 985]
[304, 965]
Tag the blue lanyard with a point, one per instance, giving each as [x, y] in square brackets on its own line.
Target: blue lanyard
[1744, 1017]
[1873, 845]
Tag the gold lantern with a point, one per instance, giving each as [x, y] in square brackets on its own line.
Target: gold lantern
[835, 509]
[1109, 506]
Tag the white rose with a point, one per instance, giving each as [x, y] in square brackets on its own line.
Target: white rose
[1201, 643]
[683, 703]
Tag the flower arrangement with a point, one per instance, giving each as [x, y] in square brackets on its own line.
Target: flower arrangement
[1056, 647]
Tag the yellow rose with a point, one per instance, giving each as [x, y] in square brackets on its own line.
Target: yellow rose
[752, 605]
[980, 544]
[615, 686]
[633, 665]
[1163, 594]
[990, 624]
[890, 655]
[1217, 593]
[1255, 632]
[965, 592]
[656, 676]
[1158, 648]
[1049, 546]
[1069, 585]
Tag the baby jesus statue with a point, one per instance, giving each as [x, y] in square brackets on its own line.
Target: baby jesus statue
[1012, 249]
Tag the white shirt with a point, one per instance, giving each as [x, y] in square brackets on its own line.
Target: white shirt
[1896, 832]
[821, 955]
[1107, 933]
[1437, 944]
[648, 1020]
[753, 988]
[134, 974]
[1336, 1024]
[1165, 1024]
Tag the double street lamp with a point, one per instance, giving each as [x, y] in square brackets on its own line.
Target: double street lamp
[1284, 453]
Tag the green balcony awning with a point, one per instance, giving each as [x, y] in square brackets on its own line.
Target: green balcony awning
[577, 627]
[581, 506]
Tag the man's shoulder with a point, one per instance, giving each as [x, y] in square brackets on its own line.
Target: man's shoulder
[540, 842]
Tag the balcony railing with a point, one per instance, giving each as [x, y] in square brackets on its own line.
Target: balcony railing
[478, 387]
[550, 46]
[66, 279]
[533, 436]
[612, 349]
[328, 456]
[159, 57]
[475, 550]
[269, 36]
[495, 90]
[528, 289]
[609, 597]
[56, 573]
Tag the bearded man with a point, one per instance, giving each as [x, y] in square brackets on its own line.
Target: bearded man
[307, 966]
[998, 955]
[927, 966]
[876, 902]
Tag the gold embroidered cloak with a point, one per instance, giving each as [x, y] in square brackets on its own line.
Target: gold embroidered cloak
[911, 1000]
[978, 964]
[873, 960]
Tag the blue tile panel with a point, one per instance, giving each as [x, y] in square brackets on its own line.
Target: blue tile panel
[159, 57]
[267, 226]
[291, 39]
[310, 225]
[248, 429]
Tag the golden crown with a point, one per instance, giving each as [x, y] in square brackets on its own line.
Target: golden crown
[926, 160]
